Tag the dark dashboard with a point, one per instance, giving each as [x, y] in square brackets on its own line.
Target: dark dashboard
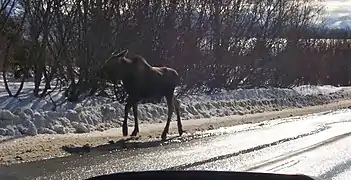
[191, 175]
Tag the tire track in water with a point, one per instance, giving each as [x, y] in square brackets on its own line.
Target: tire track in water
[297, 152]
[245, 151]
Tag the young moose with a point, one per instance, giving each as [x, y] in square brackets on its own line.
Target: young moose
[142, 81]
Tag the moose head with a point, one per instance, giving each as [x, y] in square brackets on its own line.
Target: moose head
[114, 67]
[118, 66]
[117, 57]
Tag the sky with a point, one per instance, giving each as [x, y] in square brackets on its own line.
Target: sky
[339, 12]
[338, 8]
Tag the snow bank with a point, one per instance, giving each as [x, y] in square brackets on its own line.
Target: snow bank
[30, 116]
[315, 90]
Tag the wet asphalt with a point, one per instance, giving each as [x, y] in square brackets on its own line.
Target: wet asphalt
[316, 145]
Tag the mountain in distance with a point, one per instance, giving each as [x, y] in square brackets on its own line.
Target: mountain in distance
[342, 22]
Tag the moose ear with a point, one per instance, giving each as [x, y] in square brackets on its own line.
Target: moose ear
[121, 54]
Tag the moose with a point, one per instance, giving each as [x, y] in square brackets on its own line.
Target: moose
[141, 81]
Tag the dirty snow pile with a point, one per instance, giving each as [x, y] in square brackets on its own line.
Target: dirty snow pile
[28, 115]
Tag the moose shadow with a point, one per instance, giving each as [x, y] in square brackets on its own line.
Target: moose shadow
[122, 144]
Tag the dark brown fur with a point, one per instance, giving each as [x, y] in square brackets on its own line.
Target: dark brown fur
[142, 81]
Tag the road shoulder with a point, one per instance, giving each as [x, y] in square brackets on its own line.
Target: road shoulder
[49, 146]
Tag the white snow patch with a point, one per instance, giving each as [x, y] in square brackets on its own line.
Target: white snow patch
[315, 90]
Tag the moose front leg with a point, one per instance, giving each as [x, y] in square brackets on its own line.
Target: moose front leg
[179, 121]
[136, 124]
[170, 112]
[126, 111]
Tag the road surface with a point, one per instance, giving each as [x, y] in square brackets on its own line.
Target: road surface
[317, 145]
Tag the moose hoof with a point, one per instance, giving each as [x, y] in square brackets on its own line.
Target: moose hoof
[134, 133]
[164, 136]
[125, 133]
[181, 132]
[125, 130]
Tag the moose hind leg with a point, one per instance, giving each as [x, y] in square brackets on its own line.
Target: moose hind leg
[136, 124]
[125, 125]
[170, 112]
[179, 122]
